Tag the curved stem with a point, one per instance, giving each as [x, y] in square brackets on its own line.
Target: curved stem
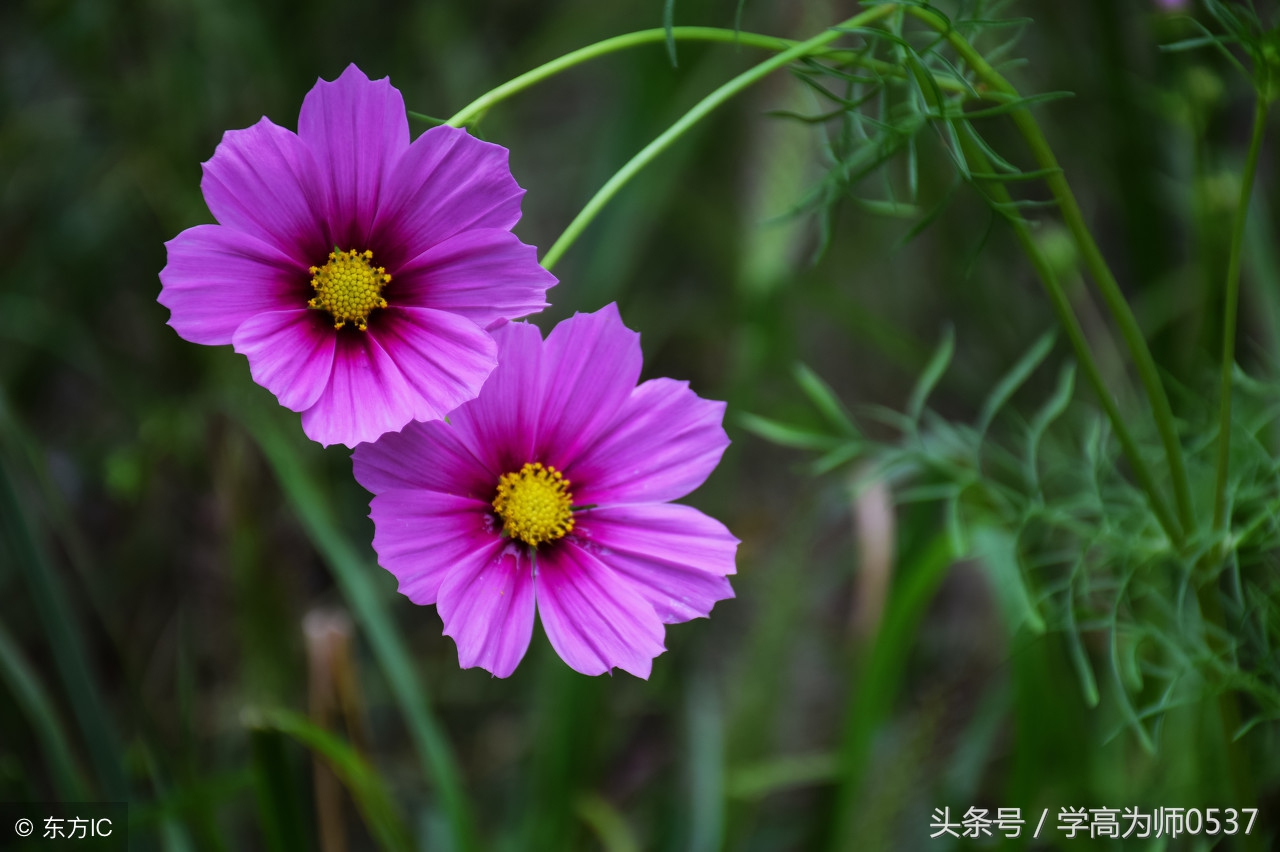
[473, 111]
[1231, 303]
[998, 194]
[692, 117]
[1119, 308]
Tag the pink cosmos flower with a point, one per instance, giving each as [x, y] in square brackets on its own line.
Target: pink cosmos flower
[357, 271]
[550, 491]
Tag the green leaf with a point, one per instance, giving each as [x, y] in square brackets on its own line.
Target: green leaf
[610, 826]
[781, 774]
[668, 23]
[1049, 412]
[998, 553]
[1012, 380]
[358, 581]
[29, 694]
[824, 399]
[929, 218]
[787, 436]
[1079, 659]
[1009, 177]
[1010, 106]
[367, 789]
[61, 627]
[281, 791]
[932, 374]
[836, 458]
[879, 676]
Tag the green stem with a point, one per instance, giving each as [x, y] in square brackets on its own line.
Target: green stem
[998, 194]
[1232, 300]
[692, 117]
[359, 586]
[1119, 308]
[473, 111]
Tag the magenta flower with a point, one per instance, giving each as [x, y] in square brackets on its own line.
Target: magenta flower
[356, 271]
[550, 491]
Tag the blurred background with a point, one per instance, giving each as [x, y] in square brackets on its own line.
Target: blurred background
[186, 582]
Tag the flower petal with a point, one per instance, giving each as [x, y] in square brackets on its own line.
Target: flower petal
[662, 444]
[590, 364]
[484, 274]
[366, 395]
[423, 455]
[422, 536]
[593, 617]
[501, 426]
[447, 182]
[358, 129]
[444, 358]
[262, 180]
[218, 277]
[673, 555]
[290, 354]
[487, 605]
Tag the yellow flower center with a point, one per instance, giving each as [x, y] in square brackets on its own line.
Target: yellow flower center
[349, 287]
[534, 504]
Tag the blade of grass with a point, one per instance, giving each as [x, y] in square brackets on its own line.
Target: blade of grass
[60, 626]
[706, 766]
[781, 774]
[610, 827]
[280, 791]
[932, 375]
[27, 691]
[355, 577]
[367, 789]
[875, 685]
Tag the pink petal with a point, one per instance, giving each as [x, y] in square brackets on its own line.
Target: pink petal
[424, 455]
[422, 536]
[217, 278]
[358, 130]
[447, 182]
[662, 444]
[673, 555]
[262, 180]
[366, 395]
[500, 426]
[593, 617]
[487, 606]
[590, 364]
[444, 358]
[290, 354]
[484, 274]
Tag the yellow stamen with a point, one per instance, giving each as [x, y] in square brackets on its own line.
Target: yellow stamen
[534, 504]
[349, 287]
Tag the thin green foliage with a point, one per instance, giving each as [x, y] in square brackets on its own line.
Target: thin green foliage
[63, 634]
[1072, 546]
[23, 683]
[355, 577]
[366, 787]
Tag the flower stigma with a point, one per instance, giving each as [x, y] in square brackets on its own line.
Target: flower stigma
[534, 504]
[349, 287]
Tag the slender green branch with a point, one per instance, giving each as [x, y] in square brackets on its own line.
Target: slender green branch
[692, 117]
[1119, 308]
[998, 195]
[473, 111]
[1230, 307]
